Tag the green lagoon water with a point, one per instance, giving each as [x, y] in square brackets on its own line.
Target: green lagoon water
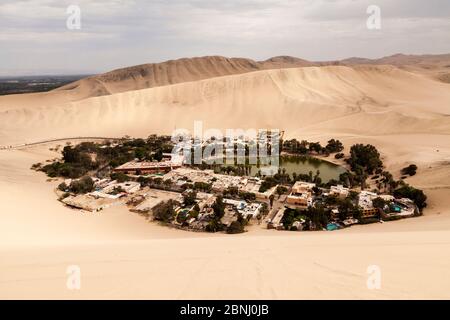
[303, 165]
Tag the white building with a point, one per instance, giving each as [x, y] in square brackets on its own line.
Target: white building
[244, 208]
[339, 191]
[128, 187]
[301, 194]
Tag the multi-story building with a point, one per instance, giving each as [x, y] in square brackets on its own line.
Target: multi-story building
[301, 194]
[147, 167]
[339, 191]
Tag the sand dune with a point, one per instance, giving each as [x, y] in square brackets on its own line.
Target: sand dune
[406, 115]
[200, 68]
[362, 100]
[178, 71]
[150, 75]
[413, 265]
[165, 73]
[123, 256]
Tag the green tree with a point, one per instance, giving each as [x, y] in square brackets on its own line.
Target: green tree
[70, 155]
[189, 198]
[120, 177]
[379, 203]
[271, 199]
[409, 170]
[214, 225]
[83, 185]
[219, 207]
[334, 146]
[347, 209]
[417, 195]
[315, 146]
[63, 186]
[365, 156]
[318, 216]
[235, 227]
[281, 190]
[164, 211]
[158, 156]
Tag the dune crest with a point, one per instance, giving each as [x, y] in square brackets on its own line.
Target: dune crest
[362, 100]
[199, 68]
[404, 114]
[436, 67]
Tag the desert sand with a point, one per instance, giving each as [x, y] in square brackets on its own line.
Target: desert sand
[405, 114]
[364, 100]
[200, 68]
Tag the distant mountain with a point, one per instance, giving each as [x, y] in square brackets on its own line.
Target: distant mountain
[403, 59]
[281, 62]
[200, 68]
[333, 100]
[434, 66]
[165, 73]
[176, 71]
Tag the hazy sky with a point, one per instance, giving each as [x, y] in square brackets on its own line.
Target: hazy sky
[34, 38]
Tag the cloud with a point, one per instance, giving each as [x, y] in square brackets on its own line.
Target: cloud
[125, 32]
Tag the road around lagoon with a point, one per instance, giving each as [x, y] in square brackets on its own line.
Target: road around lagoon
[25, 145]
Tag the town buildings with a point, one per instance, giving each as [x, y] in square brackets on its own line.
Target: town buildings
[365, 203]
[248, 210]
[219, 182]
[147, 167]
[301, 194]
[339, 191]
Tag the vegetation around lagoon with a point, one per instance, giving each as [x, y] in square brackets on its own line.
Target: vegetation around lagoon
[80, 186]
[417, 195]
[165, 212]
[410, 170]
[87, 161]
[89, 157]
[305, 147]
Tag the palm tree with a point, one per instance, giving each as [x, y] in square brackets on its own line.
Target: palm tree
[364, 177]
[388, 180]
[317, 175]
[271, 198]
